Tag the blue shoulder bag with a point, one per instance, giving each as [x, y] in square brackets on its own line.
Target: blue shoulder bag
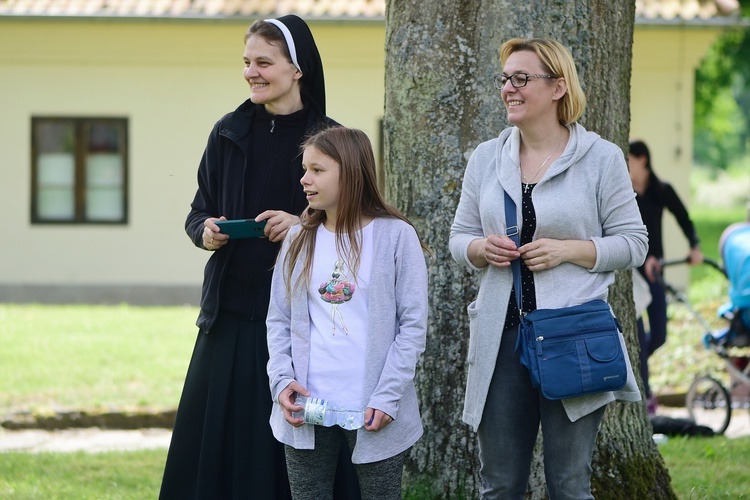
[569, 352]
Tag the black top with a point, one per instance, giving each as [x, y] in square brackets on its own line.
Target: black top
[232, 163]
[658, 196]
[528, 294]
[271, 183]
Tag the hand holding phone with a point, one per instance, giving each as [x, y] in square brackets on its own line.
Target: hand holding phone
[242, 228]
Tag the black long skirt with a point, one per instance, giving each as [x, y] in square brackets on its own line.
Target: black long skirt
[222, 445]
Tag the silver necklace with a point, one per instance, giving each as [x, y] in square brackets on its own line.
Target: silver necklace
[523, 177]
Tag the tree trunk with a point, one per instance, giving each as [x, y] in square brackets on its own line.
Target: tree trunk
[439, 105]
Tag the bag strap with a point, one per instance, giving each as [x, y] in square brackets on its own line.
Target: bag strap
[512, 231]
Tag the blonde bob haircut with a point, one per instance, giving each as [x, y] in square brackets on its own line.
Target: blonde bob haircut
[557, 61]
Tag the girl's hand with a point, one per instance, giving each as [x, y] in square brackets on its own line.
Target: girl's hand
[213, 238]
[286, 400]
[376, 420]
[278, 223]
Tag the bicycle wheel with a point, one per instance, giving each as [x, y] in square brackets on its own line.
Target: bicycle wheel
[709, 404]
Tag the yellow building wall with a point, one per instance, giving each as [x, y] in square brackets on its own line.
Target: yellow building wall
[662, 103]
[172, 81]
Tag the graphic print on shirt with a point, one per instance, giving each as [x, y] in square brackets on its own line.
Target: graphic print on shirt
[337, 291]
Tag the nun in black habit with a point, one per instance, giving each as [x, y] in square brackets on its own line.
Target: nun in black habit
[222, 446]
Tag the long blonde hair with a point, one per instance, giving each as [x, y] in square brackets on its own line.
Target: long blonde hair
[359, 198]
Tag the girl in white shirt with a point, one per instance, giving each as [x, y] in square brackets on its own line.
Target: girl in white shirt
[347, 322]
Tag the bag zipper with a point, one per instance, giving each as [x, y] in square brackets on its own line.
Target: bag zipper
[540, 338]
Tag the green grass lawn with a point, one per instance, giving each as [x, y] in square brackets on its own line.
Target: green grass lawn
[133, 475]
[93, 357]
[708, 468]
[701, 468]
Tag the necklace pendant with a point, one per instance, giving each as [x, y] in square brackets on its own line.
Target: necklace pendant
[526, 188]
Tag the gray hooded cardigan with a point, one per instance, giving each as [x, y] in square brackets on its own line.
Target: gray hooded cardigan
[586, 194]
[397, 319]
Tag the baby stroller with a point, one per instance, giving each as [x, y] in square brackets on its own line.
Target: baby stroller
[708, 401]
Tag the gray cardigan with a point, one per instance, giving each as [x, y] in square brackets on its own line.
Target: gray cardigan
[397, 331]
[586, 194]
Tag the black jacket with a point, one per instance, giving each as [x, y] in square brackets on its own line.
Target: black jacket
[658, 196]
[222, 191]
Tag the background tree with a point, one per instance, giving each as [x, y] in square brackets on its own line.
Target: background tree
[440, 103]
[722, 100]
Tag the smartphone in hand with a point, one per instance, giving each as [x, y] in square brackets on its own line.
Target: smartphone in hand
[242, 228]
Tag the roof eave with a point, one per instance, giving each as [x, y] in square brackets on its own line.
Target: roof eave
[183, 17]
[719, 21]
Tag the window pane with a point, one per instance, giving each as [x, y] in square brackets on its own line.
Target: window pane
[55, 137]
[56, 204]
[56, 169]
[104, 169]
[104, 193]
[56, 184]
[104, 204]
[104, 137]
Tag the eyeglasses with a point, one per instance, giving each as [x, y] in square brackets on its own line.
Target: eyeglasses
[518, 80]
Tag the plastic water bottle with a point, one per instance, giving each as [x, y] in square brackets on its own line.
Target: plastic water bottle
[318, 411]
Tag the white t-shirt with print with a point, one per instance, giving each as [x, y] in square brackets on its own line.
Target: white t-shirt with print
[338, 321]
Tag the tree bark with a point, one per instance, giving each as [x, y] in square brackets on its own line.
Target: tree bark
[439, 105]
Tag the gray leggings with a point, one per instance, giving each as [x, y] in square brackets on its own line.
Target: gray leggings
[311, 472]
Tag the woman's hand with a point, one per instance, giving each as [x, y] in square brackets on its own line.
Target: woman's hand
[494, 250]
[695, 256]
[278, 223]
[652, 268]
[547, 253]
[376, 420]
[286, 400]
[213, 238]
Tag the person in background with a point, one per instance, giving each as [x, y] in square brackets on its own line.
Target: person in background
[222, 445]
[579, 222]
[347, 322]
[653, 196]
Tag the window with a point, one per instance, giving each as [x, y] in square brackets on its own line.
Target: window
[79, 170]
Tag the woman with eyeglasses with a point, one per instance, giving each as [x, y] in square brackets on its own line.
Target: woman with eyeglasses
[579, 222]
